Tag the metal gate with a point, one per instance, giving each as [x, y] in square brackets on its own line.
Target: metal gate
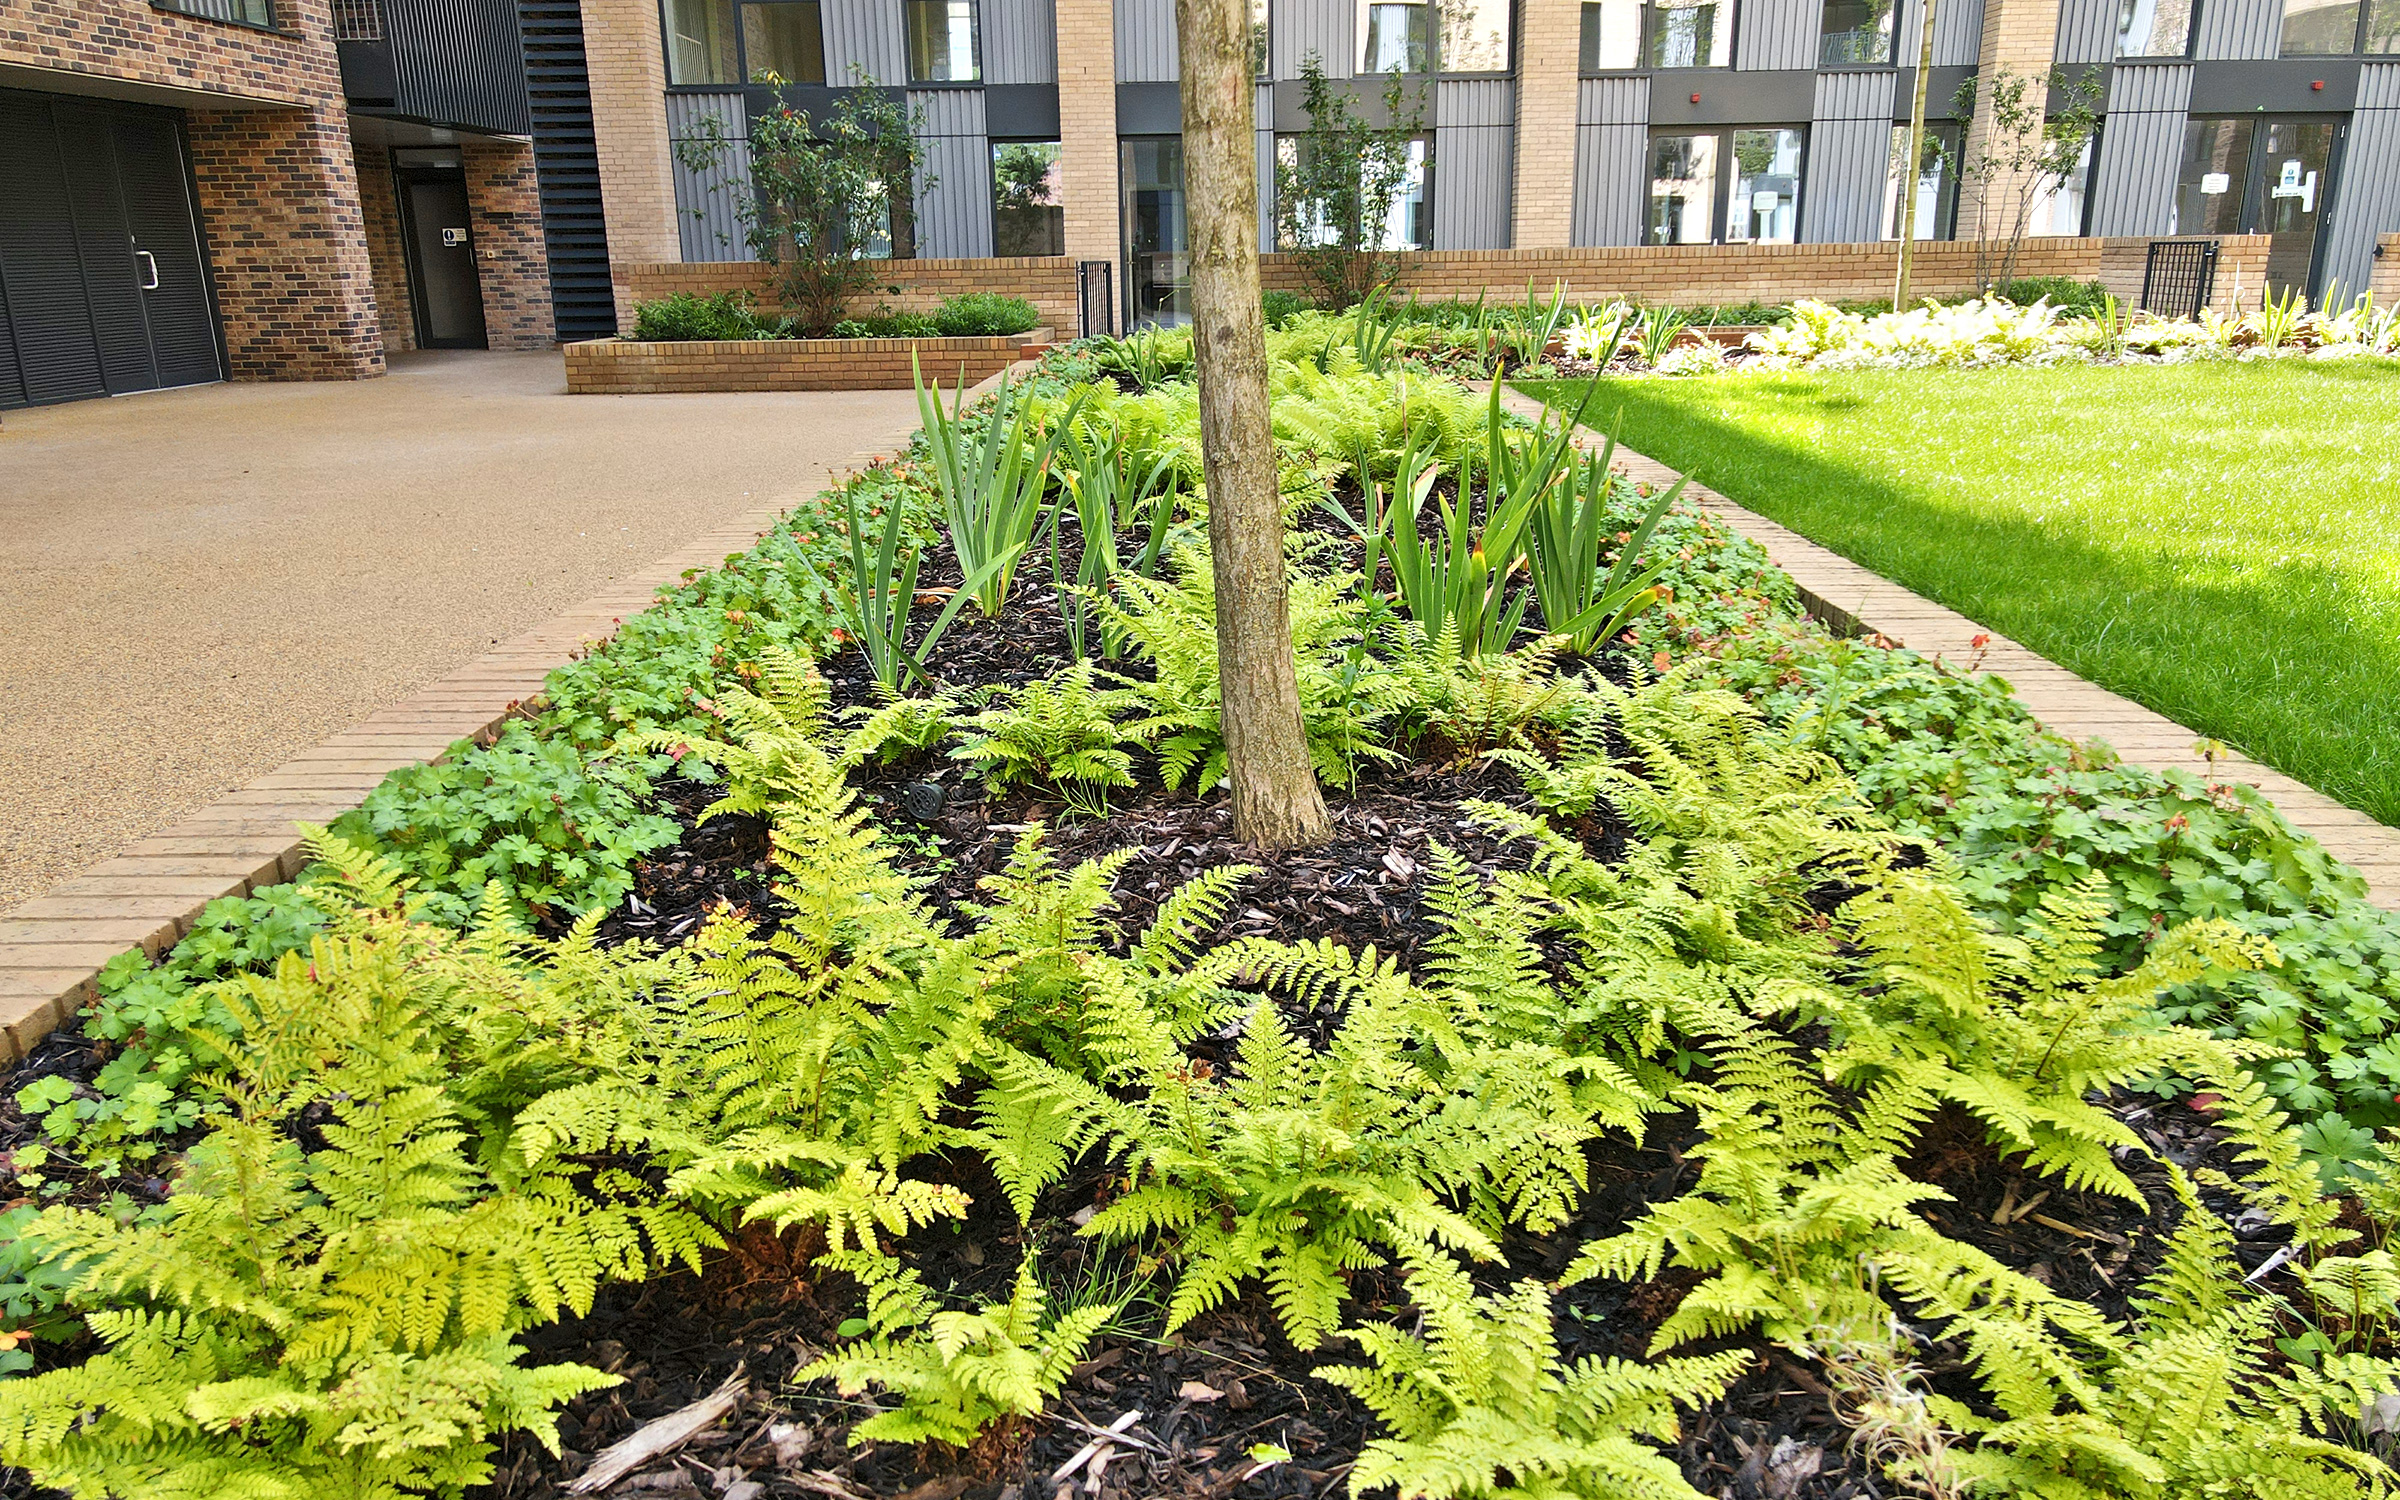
[1095, 298]
[2180, 277]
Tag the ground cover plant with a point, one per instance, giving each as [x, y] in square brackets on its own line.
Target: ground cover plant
[732, 315]
[1642, 1093]
[2212, 541]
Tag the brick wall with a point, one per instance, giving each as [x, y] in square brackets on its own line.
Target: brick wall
[2019, 37]
[128, 39]
[511, 257]
[1550, 57]
[2384, 279]
[1048, 282]
[1721, 275]
[379, 206]
[1087, 127]
[279, 204]
[619, 367]
[628, 71]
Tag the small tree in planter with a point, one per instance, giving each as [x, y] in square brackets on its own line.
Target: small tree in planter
[2029, 152]
[830, 196]
[1336, 188]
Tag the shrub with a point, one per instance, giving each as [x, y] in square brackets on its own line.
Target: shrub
[883, 323]
[1281, 307]
[682, 315]
[984, 315]
[2071, 297]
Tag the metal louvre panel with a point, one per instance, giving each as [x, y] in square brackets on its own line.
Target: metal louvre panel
[708, 220]
[1957, 34]
[2379, 86]
[1020, 41]
[2141, 148]
[954, 214]
[1612, 169]
[49, 323]
[866, 34]
[1855, 96]
[2239, 28]
[1146, 41]
[558, 92]
[159, 214]
[1613, 101]
[949, 111]
[12, 379]
[2367, 204]
[1459, 102]
[1776, 35]
[104, 241]
[460, 62]
[2087, 31]
[1849, 158]
[1298, 28]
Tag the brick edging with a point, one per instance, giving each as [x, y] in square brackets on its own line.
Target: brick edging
[53, 946]
[1847, 596]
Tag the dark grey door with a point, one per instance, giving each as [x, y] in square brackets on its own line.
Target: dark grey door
[443, 281]
[103, 288]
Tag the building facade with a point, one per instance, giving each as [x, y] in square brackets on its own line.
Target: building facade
[1706, 149]
[196, 190]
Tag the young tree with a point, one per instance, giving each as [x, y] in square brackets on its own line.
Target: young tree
[1275, 798]
[1337, 186]
[2027, 153]
[827, 194]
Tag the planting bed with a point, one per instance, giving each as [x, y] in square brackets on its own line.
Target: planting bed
[1706, 1057]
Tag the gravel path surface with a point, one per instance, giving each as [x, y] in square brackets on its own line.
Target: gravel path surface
[195, 584]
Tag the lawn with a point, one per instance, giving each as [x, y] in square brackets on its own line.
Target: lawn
[2221, 542]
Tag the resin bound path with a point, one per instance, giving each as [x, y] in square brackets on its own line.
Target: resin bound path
[498, 437]
[1848, 596]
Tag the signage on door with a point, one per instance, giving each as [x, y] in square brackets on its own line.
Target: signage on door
[454, 236]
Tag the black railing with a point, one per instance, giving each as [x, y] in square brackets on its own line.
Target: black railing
[2180, 277]
[259, 13]
[1095, 298]
[358, 21]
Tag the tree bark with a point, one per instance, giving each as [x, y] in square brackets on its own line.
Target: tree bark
[1275, 798]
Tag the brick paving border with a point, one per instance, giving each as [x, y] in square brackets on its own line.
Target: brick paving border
[52, 947]
[1849, 597]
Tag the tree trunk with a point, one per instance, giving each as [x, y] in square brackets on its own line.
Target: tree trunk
[1275, 797]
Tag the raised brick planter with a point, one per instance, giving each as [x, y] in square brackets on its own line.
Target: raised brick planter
[622, 367]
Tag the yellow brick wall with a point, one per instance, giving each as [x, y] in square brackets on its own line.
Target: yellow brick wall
[1550, 48]
[2020, 37]
[628, 71]
[1087, 126]
[2384, 279]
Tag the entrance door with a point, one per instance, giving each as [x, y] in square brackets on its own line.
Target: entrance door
[1158, 263]
[443, 282]
[103, 289]
[2289, 191]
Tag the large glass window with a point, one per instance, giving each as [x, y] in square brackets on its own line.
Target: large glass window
[2154, 28]
[942, 43]
[1029, 214]
[2383, 26]
[1937, 183]
[2215, 178]
[1690, 33]
[1394, 37]
[1853, 32]
[1261, 40]
[2060, 208]
[1683, 189]
[1474, 36]
[1612, 35]
[700, 42]
[783, 42]
[1158, 263]
[1409, 224]
[1764, 208]
[2320, 27]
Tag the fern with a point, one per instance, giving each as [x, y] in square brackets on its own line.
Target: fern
[1061, 732]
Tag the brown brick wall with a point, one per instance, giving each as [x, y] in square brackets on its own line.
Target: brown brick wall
[511, 256]
[1048, 282]
[379, 206]
[279, 202]
[1549, 52]
[618, 367]
[128, 39]
[628, 70]
[1720, 275]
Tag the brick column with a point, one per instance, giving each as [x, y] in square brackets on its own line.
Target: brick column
[287, 237]
[2019, 36]
[1549, 71]
[511, 257]
[379, 202]
[1087, 127]
[626, 62]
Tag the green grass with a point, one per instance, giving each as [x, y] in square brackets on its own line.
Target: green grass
[2220, 542]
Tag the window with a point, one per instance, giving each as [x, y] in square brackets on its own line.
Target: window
[1158, 267]
[1029, 215]
[259, 13]
[1409, 224]
[943, 46]
[2154, 28]
[2061, 210]
[1612, 35]
[1937, 183]
[1394, 37]
[1262, 39]
[782, 42]
[1683, 189]
[700, 45]
[2215, 178]
[2336, 27]
[1690, 33]
[1855, 32]
[1739, 187]
[1474, 36]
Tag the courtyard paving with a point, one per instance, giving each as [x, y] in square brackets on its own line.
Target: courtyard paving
[196, 584]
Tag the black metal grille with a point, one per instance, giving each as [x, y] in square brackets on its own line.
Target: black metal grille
[258, 13]
[2180, 277]
[559, 90]
[358, 20]
[1095, 298]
